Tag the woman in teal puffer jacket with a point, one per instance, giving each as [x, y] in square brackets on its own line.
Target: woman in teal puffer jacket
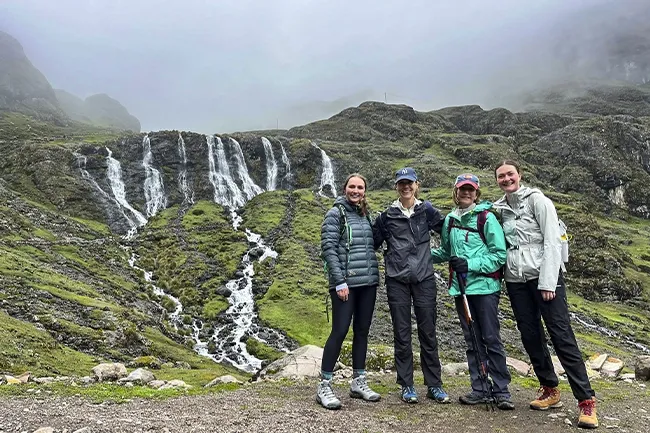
[474, 244]
[347, 249]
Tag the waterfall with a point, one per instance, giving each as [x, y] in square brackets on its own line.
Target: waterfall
[114, 174]
[175, 316]
[81, 163]
[226, 191]
[242, 317]
[154, 189]
[249, 187]
[589, 324]
[287, 165]
[271, 166]
[188, 194]
[327, 176]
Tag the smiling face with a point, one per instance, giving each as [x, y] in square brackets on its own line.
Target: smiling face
[355, 190]
[465, 196]
[407, 190]
[508, 178]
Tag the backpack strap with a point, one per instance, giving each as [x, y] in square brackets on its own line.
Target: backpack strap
[344, 228]
[480, 229]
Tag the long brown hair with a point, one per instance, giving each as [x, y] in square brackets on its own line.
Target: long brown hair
[363, 204]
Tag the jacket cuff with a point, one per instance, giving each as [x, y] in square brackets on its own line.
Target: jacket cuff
[341, 287]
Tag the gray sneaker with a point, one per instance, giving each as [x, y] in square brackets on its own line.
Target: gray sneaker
[325, 395]
[359, 389]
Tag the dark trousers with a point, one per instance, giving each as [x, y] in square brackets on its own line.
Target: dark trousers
[528, 306]
[484, 310]
[423, 295]
[361, 306]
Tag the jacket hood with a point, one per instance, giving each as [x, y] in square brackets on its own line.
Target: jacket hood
[516, 197]
[480, 207]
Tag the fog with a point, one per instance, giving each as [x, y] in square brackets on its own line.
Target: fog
[219, 66]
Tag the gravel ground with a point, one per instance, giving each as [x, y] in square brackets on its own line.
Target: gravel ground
[290, 407]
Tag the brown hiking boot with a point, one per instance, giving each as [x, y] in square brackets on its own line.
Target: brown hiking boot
[587, 418]
[547, 398]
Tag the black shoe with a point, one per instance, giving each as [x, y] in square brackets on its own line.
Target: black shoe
[473, 398]
[504, 403]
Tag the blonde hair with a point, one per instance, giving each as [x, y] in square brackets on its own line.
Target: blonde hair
[363, 204]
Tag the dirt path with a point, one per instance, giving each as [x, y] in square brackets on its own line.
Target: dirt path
[273, 407]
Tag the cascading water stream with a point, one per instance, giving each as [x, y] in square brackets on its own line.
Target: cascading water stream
[114, 174]
[287, 164]
[154, 189]
[175, 316]
[81, 163]
[327, 176]
[226, 191]
[248, 185]
[271, 165]
[587, 323]
[188, 194]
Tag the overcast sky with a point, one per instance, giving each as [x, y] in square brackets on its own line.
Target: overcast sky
[219, 66]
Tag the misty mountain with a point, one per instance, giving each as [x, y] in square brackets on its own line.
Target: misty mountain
[98, 110]
[23, 88]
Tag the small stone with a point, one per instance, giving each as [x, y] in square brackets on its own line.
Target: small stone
[567, 421]
[44, 430]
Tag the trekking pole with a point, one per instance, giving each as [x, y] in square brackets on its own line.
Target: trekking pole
[482, 370]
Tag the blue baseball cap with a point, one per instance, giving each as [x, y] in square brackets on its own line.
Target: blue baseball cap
[406, 173]
[467, 179]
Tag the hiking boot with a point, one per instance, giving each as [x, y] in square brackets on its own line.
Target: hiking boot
[547, 398]
[325, 395]
[359, 389]
[409, 394]
[504, 403]
[438, 394]
[473, 398]
[587, 418]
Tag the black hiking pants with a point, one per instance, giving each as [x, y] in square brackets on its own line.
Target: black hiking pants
[528, 307]
[484, 310]
[361, 306]
[423, 295]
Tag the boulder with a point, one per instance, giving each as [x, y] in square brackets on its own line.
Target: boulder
[109, 371]
[12, 380]
[156, 384]
[175, 384]
[520, 367]
[559, 370]
[611, 367]
[596, 361]
[139, 376]
[223, 379]
[642, 369]
[455, 368]
[302, 363]
[43, 380]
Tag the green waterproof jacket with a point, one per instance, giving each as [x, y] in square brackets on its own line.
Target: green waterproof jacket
[482, 257]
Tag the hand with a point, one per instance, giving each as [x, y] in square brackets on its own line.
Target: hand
[459, 265]
[343, 294]
[547, 295]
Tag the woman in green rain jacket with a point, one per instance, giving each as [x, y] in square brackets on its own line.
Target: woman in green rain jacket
[474, 245]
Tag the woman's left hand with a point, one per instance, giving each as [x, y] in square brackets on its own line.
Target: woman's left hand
[547, 295]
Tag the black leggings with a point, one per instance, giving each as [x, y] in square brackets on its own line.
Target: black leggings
[361, 305]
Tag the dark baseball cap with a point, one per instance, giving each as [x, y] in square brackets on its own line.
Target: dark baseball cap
[406, 173]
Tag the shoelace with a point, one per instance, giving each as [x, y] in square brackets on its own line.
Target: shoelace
[586, 406]
[328, 392]
[408, 390]
[544, 393]
[363, 385]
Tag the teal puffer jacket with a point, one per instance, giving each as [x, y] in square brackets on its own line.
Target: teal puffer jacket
[482, 257]
[358, 266]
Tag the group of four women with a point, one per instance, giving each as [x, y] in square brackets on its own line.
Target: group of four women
[523, 248]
